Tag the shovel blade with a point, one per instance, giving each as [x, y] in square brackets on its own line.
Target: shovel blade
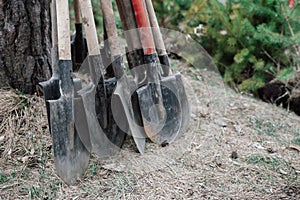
[161, 130]
[123, 113]
[70, 155]
[81, 122]
[101, 145]
[184, 103]
[51, 92]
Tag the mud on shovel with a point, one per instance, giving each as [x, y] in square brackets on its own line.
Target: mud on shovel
[177, 88]
[70, 155]
[121, 98]
[160, 107]
[96, 140]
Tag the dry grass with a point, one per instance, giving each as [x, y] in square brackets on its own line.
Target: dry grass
[236, 148]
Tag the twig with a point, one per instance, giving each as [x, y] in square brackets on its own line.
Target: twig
[297, 48]
[270, 57]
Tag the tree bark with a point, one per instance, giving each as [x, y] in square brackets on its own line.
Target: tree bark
[25, 41]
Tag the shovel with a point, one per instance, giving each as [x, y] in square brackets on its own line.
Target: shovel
[164, 61]
[134, 54]
[78, 43]
[160, 107]
[51, 87]
[70, 155]
[121, 99]
[104, 113]
[100, 144]
[134, 51]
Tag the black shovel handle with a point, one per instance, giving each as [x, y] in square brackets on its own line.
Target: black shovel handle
[79, 49]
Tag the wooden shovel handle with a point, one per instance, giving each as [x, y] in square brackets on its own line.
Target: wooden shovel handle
[111, 28]
[77, 11]
[89, 26]
[54, 24]
[63, 30]
[159, 43]
[144, 27]
[129, 25]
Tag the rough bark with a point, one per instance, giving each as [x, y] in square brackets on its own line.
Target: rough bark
[25, 42]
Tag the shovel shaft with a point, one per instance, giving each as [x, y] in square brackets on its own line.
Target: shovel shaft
[55, 70]
[95, 61]
[114, 43]
[159, 43]
[143, 25]
[77, 11]
[129, 25]
[63, 30]
[111, 29]
[158, 39]
[90, 27]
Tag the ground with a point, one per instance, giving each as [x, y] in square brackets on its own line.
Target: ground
[236, 147]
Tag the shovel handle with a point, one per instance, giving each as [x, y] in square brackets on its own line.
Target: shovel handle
[159, 43]
[54, 24]
[63, 30]
[114, 43]
[89, 27]
[54, 50]
[77, 11]
[129, 25]
[144, 26]
[111, 29]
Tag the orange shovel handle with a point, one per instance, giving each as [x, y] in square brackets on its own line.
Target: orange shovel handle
[144, 26]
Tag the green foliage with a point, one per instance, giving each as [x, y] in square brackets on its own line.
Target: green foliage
[252, 41]
[170, 13]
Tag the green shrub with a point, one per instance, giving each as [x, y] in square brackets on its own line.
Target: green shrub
[251, 41]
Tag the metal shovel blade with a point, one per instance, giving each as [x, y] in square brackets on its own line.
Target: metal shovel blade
[51, 92]
[101, 145]
[51, 87]
[161, 130]
[70, 155]
[80, 117]
[123, 113]
[184, 104]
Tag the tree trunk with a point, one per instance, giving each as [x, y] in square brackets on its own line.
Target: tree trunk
[25, 41]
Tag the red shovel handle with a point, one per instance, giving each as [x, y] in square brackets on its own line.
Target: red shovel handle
[144, 26]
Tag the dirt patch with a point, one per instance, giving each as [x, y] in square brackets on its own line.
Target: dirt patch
[235, 148]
